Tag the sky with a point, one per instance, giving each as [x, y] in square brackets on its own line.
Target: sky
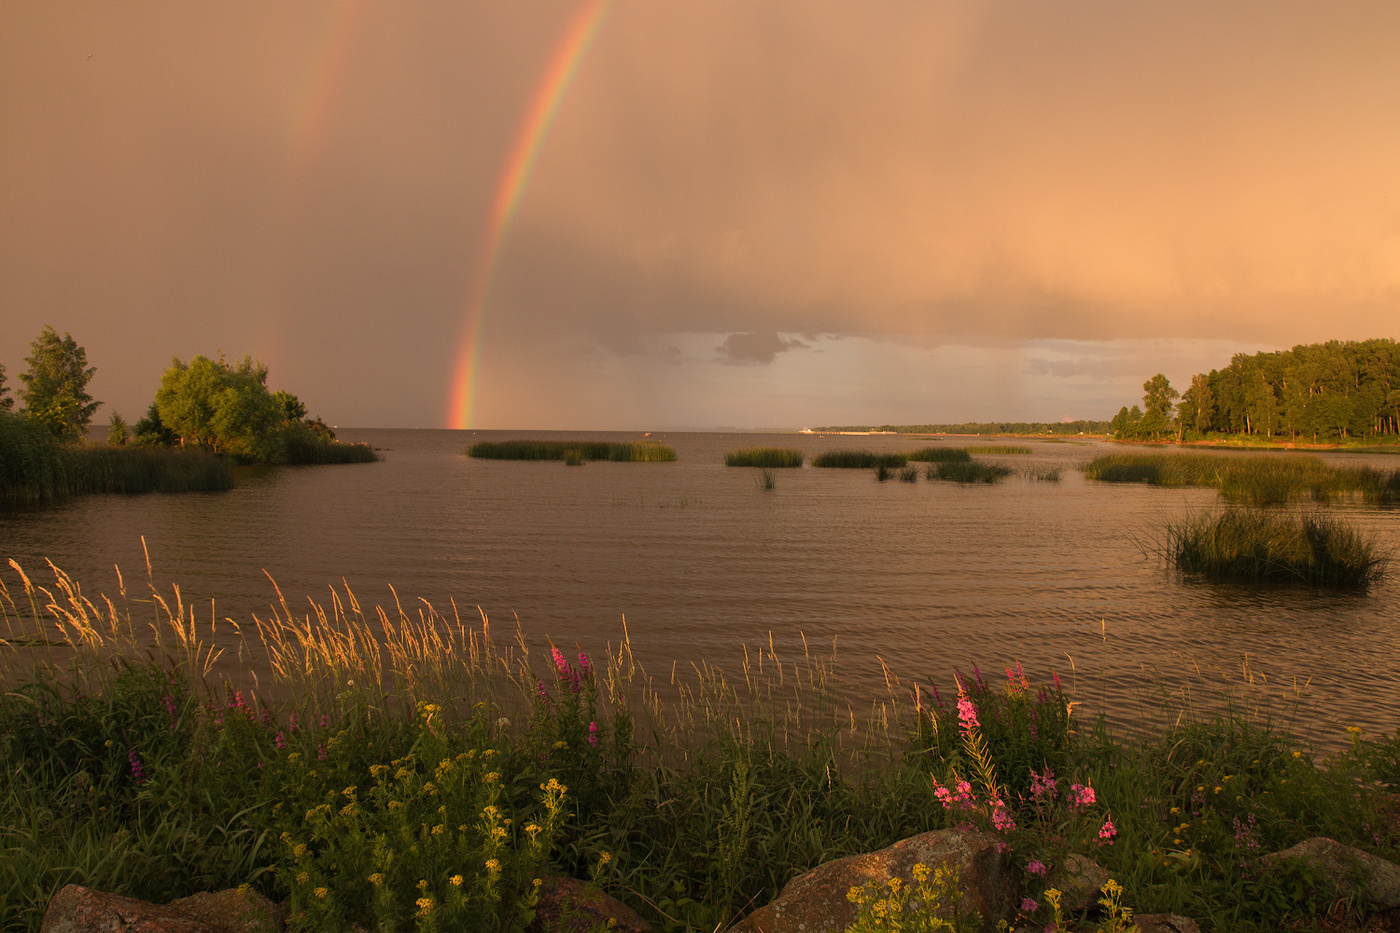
[652, 214]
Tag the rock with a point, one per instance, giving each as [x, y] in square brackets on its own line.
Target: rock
[1080, 882]
[76, 909]
[816, 902]
[1342, 872]
[567, 905]
[1164, 923]
[234, 911]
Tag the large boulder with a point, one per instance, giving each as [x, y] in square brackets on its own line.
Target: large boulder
[1080, 881]
[568, 905]
[76, 909]
[816, 902]
[1341, 872]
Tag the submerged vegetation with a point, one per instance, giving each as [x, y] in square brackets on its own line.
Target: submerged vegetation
[973, 471]
[35, 467]
[858, 460]
[999, 449]
[1257, 480]
[768, 457]
[415, 774]
[572, 452]
[1240, 545]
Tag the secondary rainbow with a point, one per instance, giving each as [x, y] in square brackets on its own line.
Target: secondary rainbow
[553, 84]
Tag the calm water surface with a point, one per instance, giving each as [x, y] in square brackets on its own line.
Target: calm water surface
[926, 577]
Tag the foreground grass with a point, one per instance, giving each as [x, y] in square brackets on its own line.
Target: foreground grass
[571, 451]
[1264, 480]
[764, 457]
[452, 772]
[1240, 545]
[35, 468]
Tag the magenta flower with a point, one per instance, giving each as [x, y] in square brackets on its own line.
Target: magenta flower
[1081, 796]
[1036, 867]
[1108, 831]
[593, 734]
[280, 741]
[1028, 906]
[967, 714]
[138, 773]
[585, 665]
[1001, 817]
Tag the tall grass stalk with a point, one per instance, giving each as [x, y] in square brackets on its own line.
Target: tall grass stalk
[1258, 546]
[642, 452]
[767, 457]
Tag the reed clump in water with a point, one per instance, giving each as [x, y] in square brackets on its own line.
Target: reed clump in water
[380, 786]
[939, 455]
[643, 452]
[858, 460]
[764, 457]
[1258, 480]
[999, 449]
[974, 471]
[1042, 474]
[1248, 545]
[35, 468]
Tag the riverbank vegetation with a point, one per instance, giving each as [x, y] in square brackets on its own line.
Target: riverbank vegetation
[36, 468]
[765, 457]
[858, 460]
[1246, 545]
[644, 452]
[419, 772]
[1260, 480]
[1337, 392]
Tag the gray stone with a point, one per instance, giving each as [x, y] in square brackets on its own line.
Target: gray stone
[568, 905]
[1342, 872]
[816, 902]
[76, 909]
[234, 911]
[1080, 882]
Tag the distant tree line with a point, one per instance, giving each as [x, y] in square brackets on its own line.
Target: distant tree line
[983, 427]
[1333, 391]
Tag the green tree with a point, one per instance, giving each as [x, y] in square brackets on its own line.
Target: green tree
[6, 403]
[1157, 399]
[117, 433]
[226, 408]
[55, 388]
[292, 407]
[151, 431]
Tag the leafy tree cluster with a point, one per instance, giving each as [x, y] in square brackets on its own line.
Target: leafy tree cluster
[54, 388]
[227, 408]
[1331, 391]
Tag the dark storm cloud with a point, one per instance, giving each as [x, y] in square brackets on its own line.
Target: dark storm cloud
[756, 348]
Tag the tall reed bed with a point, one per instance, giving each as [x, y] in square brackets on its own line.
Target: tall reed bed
[644, 452]
[36, 468]
[404, 770]
[999, 449]
[1259, 546]
[764, 457]
[858, 460]
[939, 455]
[1262, 480]
[974, 471]
[305, 447]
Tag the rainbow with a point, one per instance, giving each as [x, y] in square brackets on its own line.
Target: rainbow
[549, 93]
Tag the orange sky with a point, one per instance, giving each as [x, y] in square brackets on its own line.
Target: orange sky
[742, 214]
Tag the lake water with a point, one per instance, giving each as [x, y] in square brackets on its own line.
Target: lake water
[925, 577]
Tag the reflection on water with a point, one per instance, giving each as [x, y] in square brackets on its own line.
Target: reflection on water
[698, 559]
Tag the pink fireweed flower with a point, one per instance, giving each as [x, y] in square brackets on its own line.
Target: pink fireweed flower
[1001, 817]
[1028, 906]
[1036, 867]
[967, 714]
[280, 741]
[1107, 832]
[138, 773]
[1043, 784]
[585, 665]
[593, 734]
[1081, 796]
